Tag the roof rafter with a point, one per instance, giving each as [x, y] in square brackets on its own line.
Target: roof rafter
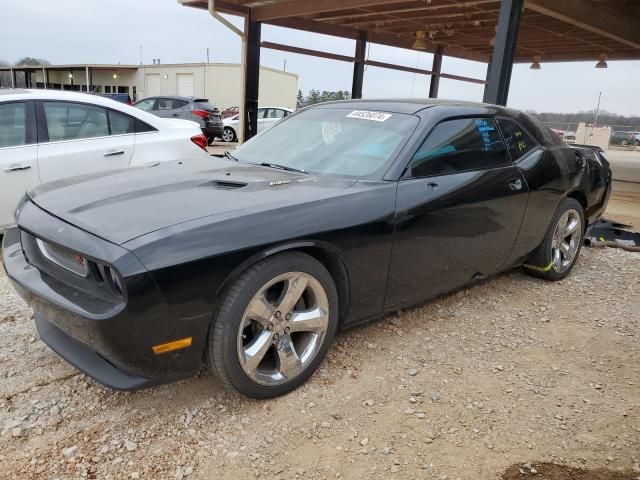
[590, 17]
[298, 8]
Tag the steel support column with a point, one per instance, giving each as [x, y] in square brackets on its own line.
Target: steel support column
[13, 79]
[436, 68]
[358, 66]
[252, 78]
[499, 71]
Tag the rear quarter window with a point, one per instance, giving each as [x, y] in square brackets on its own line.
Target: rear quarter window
[518, 141]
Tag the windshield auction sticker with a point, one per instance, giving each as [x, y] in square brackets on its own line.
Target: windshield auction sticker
[367, 115]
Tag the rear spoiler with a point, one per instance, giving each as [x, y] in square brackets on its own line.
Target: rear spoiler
[589, 147]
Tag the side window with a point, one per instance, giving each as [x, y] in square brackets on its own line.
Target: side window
[121, 123]
[70, 121]
[13, 124]
[518, 141]
[146, 105]
[179, 103]
[458, 146]
[261, 113]
[142, 127]
[165, 104]
[276, 113]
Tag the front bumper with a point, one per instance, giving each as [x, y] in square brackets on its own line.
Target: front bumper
[111, 341]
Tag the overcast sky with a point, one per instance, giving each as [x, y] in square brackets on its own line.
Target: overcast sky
[91, 31]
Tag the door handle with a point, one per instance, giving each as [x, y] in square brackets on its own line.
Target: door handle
[515, 184]
[432, 186]
[113, 153]
[18, 168]
[175, 115]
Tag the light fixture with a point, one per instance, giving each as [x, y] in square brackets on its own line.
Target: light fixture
[536, 63]
[165, 76]
[70, 75]
[602, 63]
[115, 76]
[420, 43]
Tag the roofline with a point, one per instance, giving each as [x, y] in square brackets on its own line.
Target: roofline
[106, 66]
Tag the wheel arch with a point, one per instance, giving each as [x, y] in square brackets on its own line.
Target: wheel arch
[326, 253]
[580, 197]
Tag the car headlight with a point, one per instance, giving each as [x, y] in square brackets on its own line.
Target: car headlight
[104, 275]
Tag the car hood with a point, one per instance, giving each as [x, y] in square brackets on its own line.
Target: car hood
[121, 205]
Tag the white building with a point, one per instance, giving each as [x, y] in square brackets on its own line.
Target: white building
[221, 83]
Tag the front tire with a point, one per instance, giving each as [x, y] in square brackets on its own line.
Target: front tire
[229, 135]
[557, 254]
[273, 326]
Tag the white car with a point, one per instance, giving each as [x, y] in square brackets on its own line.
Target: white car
[47, 135]
[267, 117]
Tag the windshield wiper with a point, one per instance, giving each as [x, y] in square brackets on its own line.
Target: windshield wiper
[282, 167]
[228, 155]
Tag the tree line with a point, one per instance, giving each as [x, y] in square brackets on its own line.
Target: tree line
[569, 121]
[316, 96]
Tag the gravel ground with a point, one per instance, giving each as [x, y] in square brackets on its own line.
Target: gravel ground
[512, 371]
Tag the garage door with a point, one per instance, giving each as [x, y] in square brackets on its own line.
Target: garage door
[152, 85]
[185, 84]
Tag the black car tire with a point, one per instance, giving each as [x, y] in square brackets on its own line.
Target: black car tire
[232, 138]
[540, 263]
[222, 349]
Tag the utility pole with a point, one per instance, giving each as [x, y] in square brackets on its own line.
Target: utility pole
[595, 121]
[285, 65]
[140, 48]
[207, 54]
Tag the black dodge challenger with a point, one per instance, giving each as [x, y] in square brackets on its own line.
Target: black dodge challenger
[251, 262]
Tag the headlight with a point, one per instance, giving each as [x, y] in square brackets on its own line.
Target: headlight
[64, 258]
[104, 275]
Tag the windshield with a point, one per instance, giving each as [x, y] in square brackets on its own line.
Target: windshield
[333, 141]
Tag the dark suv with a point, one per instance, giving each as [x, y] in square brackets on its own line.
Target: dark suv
[198, 110]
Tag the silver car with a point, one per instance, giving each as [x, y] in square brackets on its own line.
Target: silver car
[195, 109]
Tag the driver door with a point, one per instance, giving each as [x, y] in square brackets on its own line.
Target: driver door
[458, 211]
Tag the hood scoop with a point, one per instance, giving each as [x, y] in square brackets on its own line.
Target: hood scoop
[227, 185]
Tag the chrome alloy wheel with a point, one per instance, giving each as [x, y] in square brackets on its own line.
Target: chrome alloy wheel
[566, 240]
[227, 135]
[283, 328]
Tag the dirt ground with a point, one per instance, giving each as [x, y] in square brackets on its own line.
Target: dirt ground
[513, 371]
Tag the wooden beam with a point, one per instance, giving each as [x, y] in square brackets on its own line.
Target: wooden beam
[221, 6]
[306, 51]
[407, 41]
[297, 8]
[316, 27]
[382, 38]
[422, 71]
[590, 17]
[394, 11]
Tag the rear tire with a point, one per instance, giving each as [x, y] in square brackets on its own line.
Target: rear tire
[557, 254]
[273, 325]
[229, 135]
